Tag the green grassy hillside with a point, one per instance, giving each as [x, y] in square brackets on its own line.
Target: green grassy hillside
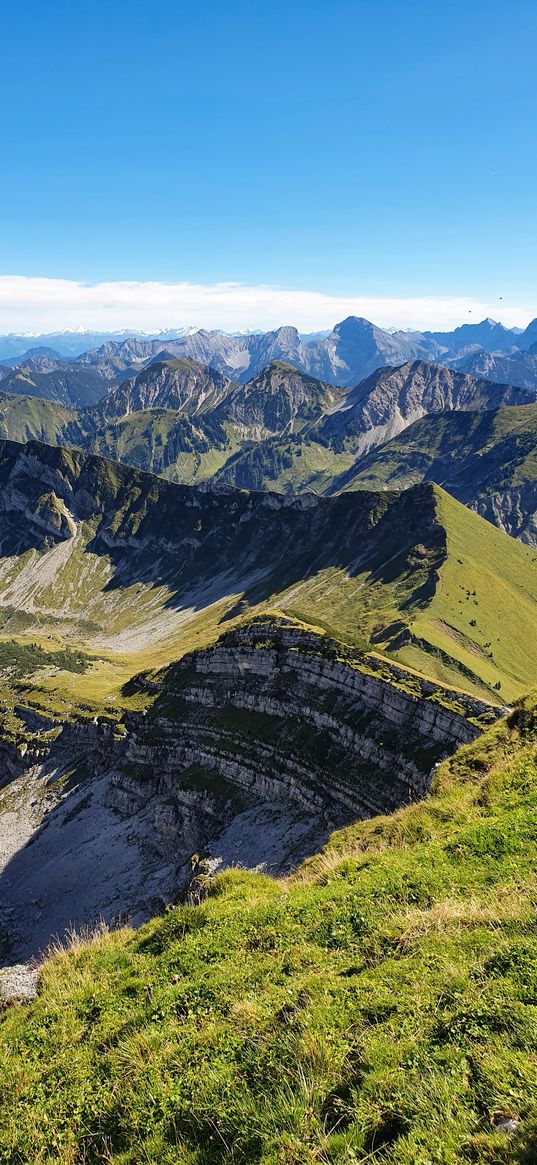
[473, 599]
[166, 442]
[135, 570]
[29, 418]
[376, 1006]
[287, 464]
[464, 452]
[71, 384]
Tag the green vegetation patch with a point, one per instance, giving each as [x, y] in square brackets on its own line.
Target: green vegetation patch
[22, 659]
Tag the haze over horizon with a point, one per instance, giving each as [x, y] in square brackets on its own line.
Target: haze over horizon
[39, 306]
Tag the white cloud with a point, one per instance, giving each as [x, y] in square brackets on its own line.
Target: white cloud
[46, 305]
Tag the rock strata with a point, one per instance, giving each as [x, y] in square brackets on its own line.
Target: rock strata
[252, 752]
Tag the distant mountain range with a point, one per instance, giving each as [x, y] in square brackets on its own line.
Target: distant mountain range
[277, 411]
[70, 344]
[351, 351]
[282, 430]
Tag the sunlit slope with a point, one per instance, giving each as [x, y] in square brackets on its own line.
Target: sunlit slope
[134, 570]
[484, 604]
[287, 464]
[462, 451]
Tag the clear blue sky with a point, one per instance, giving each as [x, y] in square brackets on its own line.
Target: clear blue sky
[383, 147]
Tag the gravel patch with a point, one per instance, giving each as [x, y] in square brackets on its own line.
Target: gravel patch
[18, 982]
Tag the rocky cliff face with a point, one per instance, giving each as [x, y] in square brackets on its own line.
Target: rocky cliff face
[172, 384]
[390, 399]
[252, 753]
[513, 510]
[279, 400]
[341, 741]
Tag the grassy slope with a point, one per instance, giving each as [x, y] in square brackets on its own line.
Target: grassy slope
[457, 449]
[501, 571]
[26, 418]
[499, 648]
[379, 1005]
[166, 442]
[287, 465]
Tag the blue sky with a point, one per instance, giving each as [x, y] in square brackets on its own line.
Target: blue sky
[378, 150]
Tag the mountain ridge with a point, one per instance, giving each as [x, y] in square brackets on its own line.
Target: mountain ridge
[347, 353]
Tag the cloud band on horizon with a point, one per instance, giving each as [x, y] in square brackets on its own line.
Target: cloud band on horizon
[42, 304]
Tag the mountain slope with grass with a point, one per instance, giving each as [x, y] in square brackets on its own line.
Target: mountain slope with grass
[281, 430]
[390, 399]
[29, 418]
[107, 557]
[179, 418]
[486, 460]
[70, 384]
[378, 1004]
[279, 400]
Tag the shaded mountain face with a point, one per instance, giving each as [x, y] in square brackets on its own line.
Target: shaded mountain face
[486, 460]
[529, 336]
[279, 400]
[132, 515]
[69, 384]
[518, 368]
[390, 399]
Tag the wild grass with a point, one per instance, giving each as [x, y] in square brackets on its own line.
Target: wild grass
[380, 1005]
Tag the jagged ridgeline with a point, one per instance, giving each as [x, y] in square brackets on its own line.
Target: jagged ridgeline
[283, 429]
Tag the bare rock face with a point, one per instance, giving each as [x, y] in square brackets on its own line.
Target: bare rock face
[390, 399]
[172, 384]
[252, 753]
[513, 510]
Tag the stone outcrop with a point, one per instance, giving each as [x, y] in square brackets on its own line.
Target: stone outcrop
[252, 752]
[276, 712]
